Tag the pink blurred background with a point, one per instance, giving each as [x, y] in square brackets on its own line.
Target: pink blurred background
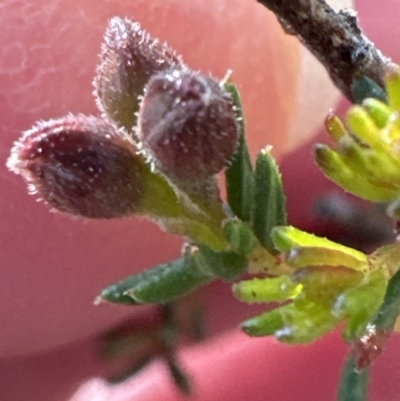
[46, 352]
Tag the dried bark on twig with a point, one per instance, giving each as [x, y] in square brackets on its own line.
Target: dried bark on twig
[334, 38]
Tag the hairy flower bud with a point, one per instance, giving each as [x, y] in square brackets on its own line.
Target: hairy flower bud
[187, 125]
[129, 57]
[80, 165]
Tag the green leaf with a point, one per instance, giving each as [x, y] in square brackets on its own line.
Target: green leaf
[198, 231]
[363, 126]
[269, 200]
[378, 111]
[239, 175]
[320, 256]
[158, 285]
[386, 257]
[293, 324]
[360, 304]
[354, 384]
[269, 289]
[364, 87]
[322, 284]
[159, 199]
[266, 324]
[393, 88]
[224, 265]
[240, 236]
[288, 237]
[334, 167]
[377, 166]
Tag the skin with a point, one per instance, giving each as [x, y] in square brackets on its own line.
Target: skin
[255, 369]
[53, 266]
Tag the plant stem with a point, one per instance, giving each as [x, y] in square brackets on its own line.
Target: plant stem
[354, 385]
[390, 309]
[334, 38]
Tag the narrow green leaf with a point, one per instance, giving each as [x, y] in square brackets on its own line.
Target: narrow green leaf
[371, 164]
[364, 87]
[289, 237]
[239, 175]
[334, 168]
[240, 236]
[268, 289]
[269, 200]
[203, 232]
[387, 256]
[266, 324]
[292, 323]
[380, 112]
[157, 285]
[393, 87]
[321, 256]
[363, 126]
[361, 303]
[323, 284]
[224, 265]
[354, 384]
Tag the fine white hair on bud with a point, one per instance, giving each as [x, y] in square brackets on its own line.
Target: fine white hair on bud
[129, 57]
[187, 125]
[80, 165]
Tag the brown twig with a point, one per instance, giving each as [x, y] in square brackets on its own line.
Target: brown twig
[334, 38]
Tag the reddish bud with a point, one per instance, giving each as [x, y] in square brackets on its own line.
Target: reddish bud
[80, 165]
[187, 125]
[128, 59]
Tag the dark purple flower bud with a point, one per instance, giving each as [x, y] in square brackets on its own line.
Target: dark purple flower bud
[187, 125]
[80, 165]
[129, 57]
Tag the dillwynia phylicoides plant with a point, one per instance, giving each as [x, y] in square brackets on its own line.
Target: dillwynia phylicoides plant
[164, 135]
